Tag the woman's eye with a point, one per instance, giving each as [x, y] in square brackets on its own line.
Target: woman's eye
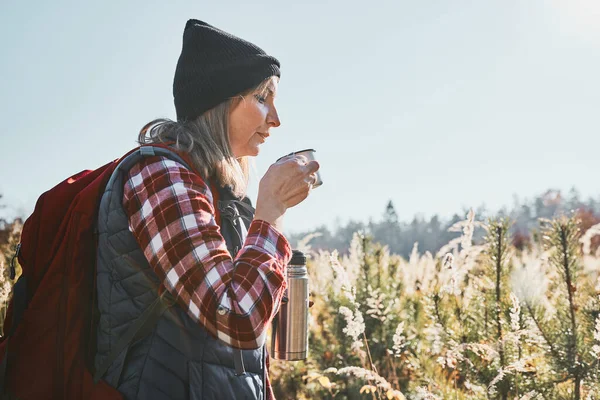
[261, 99]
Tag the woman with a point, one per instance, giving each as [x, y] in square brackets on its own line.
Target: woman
[180, 228]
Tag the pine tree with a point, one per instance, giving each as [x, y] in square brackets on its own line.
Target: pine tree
[561, 240]
[497, 254]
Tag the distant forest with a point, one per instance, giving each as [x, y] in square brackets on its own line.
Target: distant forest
[431, 235]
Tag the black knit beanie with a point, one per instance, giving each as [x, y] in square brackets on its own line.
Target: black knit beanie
[214, 66]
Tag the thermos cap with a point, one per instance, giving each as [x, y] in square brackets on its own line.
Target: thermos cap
[298, 258]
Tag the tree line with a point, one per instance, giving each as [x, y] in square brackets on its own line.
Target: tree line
[432, 233]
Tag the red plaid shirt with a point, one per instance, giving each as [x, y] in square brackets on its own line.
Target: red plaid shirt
[171, 214]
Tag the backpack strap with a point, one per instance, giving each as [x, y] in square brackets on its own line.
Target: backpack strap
[144, 151]
[140, 328]
[231, 213]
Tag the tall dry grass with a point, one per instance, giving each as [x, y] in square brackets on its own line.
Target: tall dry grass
[474, 321]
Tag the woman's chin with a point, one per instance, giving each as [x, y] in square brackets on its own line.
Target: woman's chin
[252, 152]
[248, 152]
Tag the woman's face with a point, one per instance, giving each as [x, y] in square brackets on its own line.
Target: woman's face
[250, 121]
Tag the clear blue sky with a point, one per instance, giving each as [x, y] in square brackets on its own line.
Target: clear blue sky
[436, 105]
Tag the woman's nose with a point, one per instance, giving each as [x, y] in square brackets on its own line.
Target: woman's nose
[273, 118]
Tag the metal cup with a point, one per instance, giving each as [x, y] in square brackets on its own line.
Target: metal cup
[310, 156]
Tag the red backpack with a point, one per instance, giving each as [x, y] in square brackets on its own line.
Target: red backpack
[49, 322]
[49, 349]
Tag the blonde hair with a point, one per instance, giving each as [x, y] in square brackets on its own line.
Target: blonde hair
[206, 141]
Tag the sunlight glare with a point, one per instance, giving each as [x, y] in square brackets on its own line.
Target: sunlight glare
[579, 17]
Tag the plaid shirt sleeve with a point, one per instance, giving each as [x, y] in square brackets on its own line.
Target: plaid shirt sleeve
[171, 215]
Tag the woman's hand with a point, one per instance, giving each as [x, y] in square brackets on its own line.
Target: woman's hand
[286, 184]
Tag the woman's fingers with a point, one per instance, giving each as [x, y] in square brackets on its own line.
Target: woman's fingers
[288, 181]
[311, 179]
[312, 167]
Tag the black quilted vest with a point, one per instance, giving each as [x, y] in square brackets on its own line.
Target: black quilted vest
[177, 358]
